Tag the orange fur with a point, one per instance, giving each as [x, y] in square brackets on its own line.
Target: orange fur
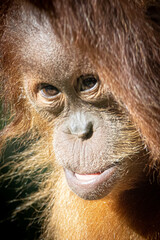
[74, 218]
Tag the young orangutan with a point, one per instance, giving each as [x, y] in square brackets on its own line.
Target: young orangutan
[81, 78]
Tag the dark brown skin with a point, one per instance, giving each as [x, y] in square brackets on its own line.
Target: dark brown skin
[93, 138]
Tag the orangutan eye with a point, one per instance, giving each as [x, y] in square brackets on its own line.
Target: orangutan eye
[48, 91]
[87, 83]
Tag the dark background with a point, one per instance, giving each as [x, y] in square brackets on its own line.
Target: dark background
[23, 226]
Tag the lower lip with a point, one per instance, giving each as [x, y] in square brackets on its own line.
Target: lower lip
[86, 184]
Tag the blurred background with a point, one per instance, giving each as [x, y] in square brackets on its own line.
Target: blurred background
[23, 226]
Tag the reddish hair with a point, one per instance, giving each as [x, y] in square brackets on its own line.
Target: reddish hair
[122, 39]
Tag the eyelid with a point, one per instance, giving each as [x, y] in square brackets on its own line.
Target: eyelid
[89, 90]
[48, 96]
[41, 89]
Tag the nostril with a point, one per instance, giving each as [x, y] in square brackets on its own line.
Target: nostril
[87, 132]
